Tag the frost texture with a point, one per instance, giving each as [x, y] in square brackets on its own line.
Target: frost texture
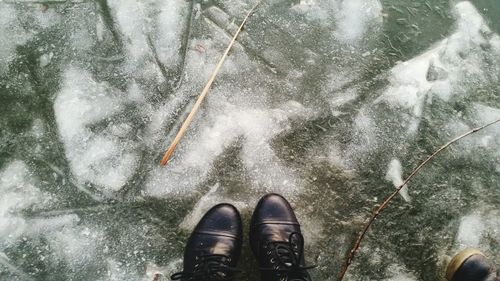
[319, 100]
[102, 158]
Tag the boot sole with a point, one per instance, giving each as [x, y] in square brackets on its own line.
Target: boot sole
[458, 260]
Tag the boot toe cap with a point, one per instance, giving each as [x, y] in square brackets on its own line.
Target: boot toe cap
[273, 208]
[223, 219]
[469, 264]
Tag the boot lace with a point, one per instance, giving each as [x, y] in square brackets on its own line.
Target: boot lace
[286, 256]
[208, 268]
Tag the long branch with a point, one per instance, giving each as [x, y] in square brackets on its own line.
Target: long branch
[386, 202]
[203, 94]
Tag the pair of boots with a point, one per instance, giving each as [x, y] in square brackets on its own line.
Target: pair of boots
[214, 247]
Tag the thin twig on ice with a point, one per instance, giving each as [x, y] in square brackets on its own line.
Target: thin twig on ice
[377, 212]
[196, 106]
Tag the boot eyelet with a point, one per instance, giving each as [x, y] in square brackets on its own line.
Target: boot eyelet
[272, 260]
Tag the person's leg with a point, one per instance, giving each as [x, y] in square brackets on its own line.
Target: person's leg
[276, 240]
[214, 247]
[471, 265]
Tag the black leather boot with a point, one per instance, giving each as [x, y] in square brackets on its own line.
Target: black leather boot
[277, 242]
[471, 265]
[214, 247]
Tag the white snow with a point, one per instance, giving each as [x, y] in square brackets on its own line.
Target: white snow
[410, 79]
[480, 228]
[130, 17]
[78, 245]
[102, 157]
[253, 127]
[12, 31]
[150, 24]
[11, 35]
[45, 59]
[18, 192]
[441, 71]
[170, 21]
[471, 230]
[103, 148]
[354, 19]
[394, 174]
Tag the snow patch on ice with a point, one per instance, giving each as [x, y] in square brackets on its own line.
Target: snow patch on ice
[150, 28]
[440, 72]
[395, 175]
[409, 84]
[352, 18]
[479, 229]
[104, 157]
[341, 99]
[131, 19]
[471, 230]
[11, 35]
[456, 57]
[478, 115]
[483, 114]
[77, 245]
[365, 134]
[18, 191]
[355, 18]
[170, 21]
[254, 127]
[12, 29]
[45, 59]
[314, 9]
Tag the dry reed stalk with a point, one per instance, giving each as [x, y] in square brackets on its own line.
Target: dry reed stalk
[377, 212]
[203, 94]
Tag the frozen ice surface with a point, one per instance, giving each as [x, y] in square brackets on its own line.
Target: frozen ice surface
[352, 19]
[331, 103]
[440, 72]
[254, 129]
